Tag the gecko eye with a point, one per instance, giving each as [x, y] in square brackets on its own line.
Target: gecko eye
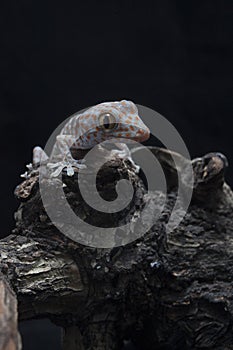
[107, 122]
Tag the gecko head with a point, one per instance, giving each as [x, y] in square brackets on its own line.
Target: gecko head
[109, 120]
[121, 120]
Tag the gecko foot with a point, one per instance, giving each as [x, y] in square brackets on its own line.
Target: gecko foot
[68, 165]
[126, 156]
[124, 153]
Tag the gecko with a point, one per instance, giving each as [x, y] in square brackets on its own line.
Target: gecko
[83, 131]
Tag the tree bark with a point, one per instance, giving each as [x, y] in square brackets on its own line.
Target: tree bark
[9, 336]
[164, 290]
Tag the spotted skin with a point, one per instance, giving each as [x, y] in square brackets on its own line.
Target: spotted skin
[99, 123]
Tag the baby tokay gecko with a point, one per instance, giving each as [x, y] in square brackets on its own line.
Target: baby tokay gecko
[97, 124]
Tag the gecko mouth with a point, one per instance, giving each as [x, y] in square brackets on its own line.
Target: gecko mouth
[139, 137]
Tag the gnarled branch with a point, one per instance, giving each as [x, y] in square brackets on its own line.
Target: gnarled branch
[174, 288]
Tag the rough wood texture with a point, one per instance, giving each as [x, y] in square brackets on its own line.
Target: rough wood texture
[9, 337]
[164, 291]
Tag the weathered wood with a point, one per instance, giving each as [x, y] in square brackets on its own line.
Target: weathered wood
[72, 339]
[9, 336]
[165, 290]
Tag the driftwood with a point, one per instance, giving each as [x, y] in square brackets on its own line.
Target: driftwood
[163, 291]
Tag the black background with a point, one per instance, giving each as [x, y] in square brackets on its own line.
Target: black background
[57, 58]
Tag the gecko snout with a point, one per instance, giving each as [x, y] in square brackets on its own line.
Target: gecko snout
[142, 135]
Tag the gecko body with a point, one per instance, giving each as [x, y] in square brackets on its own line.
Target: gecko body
[105, 121]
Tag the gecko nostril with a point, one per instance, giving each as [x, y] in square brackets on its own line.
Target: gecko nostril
[143, 135]
[140, 132]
